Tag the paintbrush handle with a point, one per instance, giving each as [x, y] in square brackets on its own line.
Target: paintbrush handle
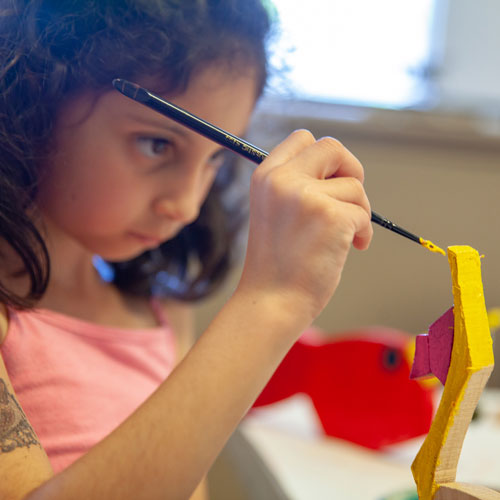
[220, 136]
[382, 221]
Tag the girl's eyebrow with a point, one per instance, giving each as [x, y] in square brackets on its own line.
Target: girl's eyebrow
[168, 125]
[172, 127]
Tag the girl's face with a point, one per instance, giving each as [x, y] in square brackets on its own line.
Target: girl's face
[124, 178]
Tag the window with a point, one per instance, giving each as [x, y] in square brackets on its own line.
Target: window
[357, 51]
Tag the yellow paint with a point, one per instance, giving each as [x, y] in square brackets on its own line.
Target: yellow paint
[409, 352]
[470, 366]
[494, 318]
[430, 246]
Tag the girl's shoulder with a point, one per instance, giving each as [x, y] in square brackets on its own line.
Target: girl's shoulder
[4, 322]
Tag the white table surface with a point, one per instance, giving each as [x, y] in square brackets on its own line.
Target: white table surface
[310, 466]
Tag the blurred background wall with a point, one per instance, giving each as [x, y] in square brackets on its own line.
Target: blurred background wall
[433, 167]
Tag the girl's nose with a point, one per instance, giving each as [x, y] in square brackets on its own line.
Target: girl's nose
[184, 207]
[186, 191]
[183, 202]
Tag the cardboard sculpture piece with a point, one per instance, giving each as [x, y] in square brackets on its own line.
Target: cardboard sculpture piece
[433, 349]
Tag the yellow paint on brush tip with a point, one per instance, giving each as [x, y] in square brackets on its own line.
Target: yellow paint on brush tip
[430, 246]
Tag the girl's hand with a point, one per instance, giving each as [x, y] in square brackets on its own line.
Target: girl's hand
[307, 205]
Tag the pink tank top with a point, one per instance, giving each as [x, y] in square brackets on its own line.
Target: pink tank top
[77, 381]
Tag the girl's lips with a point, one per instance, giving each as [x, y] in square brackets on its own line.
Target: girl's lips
[146, 240]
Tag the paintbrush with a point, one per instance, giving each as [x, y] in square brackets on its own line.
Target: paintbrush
[233, 143]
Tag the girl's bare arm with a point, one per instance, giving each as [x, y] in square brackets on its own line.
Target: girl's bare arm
[181, 318]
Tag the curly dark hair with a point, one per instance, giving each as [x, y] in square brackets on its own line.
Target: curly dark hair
[51, 49]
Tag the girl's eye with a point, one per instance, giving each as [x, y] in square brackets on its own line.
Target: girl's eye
[152, 146]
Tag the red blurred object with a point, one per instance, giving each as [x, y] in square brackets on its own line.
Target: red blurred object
[359, 385]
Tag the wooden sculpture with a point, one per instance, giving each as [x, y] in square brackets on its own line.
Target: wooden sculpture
[434, 468]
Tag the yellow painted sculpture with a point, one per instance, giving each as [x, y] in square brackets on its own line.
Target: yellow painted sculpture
[434, 468]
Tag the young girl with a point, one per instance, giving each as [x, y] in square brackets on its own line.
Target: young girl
[87, 172]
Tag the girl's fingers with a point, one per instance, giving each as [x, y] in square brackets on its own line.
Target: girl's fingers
[320, 177]
[345, 189]
[364, 229]
[321, 159]
[328, 158]
[289, 148]
[349, 218]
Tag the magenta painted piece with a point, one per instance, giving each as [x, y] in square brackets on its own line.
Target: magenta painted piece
[433, 350]
[421, 363]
